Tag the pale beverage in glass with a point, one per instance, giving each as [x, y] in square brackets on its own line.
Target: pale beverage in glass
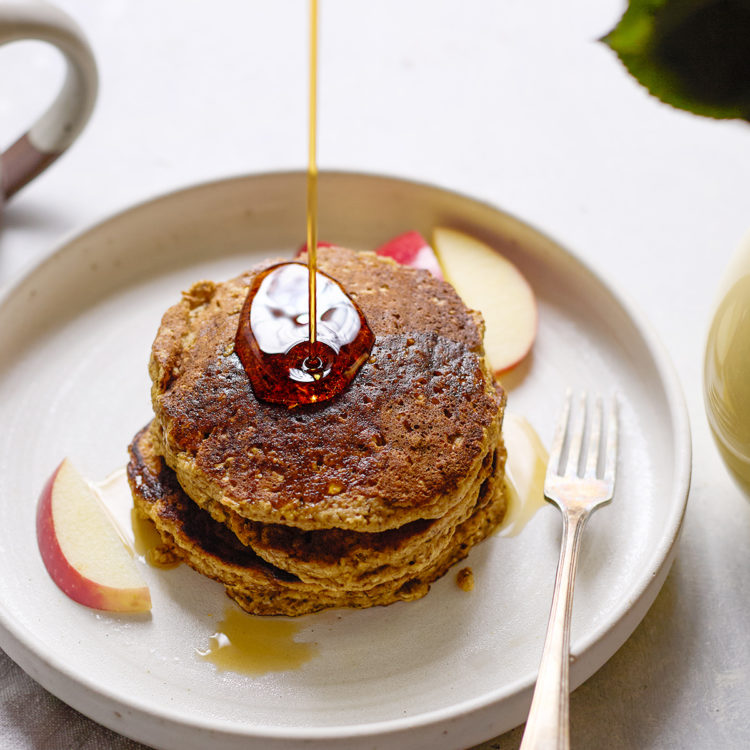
[726, 371]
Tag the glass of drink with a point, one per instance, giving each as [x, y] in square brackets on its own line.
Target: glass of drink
[726, 373]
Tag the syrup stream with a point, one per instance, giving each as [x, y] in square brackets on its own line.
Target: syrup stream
[312, 179]
[284, 367]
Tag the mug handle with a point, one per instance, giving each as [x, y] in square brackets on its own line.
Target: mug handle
[59, 126]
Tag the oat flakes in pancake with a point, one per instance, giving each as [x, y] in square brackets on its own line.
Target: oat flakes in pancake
[337, 558]
[259, 588]
[402, 443]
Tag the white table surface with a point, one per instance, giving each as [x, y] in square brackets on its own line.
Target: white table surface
[513, 102]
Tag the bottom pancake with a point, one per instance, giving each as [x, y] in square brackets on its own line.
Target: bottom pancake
[261, 588]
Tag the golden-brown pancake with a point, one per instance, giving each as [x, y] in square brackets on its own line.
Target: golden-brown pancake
[404, 442]
[342, 559]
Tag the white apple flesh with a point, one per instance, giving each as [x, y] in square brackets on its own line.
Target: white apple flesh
[82, 549]
[488, 282]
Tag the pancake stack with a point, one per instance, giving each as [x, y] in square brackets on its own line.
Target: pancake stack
[359, 501]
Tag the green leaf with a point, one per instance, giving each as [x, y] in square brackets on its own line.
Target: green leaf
[692, 54]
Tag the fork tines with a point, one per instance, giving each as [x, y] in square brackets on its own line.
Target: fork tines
[568, 442]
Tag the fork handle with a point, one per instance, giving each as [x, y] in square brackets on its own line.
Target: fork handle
[547, 726]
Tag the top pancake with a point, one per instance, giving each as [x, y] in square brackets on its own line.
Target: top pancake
[401, 443]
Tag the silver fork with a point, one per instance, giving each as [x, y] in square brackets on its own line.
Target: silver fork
[577, 495]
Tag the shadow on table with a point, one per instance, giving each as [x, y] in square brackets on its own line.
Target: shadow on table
[32, 216]
[622, 706]
[33, 719]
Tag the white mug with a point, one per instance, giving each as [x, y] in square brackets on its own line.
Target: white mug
[59, 126]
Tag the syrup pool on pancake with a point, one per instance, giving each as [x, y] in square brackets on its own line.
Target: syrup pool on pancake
[272, 340]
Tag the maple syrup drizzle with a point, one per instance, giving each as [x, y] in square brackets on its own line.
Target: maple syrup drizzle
[292, 358]
[273, 345]
[525, 469]
[312, 177]
[256, 645]
[147, 543]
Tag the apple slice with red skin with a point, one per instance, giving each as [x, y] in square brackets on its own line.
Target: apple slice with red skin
[408, 249]
[411, 249]
[488, 282]
[82, 548]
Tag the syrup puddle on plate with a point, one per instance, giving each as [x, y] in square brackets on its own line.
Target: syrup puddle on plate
[145, 536]
[254, 645]
[243, 643]
[525, 470]
[148, 543]
[114, 492]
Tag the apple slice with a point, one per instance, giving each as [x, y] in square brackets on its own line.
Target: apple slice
[490, 283]
[82, 548]
[411, 249]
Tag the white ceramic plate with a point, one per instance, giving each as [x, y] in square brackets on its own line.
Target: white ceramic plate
[448, 671]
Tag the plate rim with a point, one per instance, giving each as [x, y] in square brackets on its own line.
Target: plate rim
[627, 616]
